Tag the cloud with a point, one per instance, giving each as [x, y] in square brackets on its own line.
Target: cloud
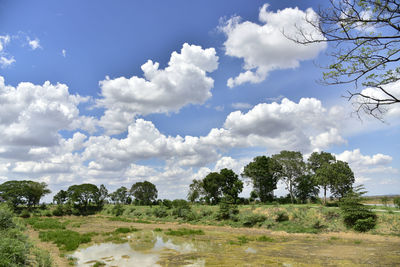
[264, 47]
[184, 81]
[241, 105]
[64, 53]
[5, 59]
[32, 115]
[34, 44]
[355, 158]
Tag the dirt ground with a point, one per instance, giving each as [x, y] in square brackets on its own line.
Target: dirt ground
[329, 249]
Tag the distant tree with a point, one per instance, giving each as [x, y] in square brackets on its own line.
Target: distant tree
[83, 195]
[306, 188]
[23, 192]
[103, 195]
[145, 192]
[61, 197]
[319, 163]
[212, 185]
[120, 196]
[293, 167]
[263, 173]
[342, 178]
[195, 191]
[365, 35]
[232, 186]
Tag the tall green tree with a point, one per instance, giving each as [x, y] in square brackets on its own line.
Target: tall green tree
[84, 195]
[120, 196]
[195, 190]
[61, 197]
[145, 192]
[23, 192]
[232, 186]
[306, 188]
[342, 178]
[293, 167]
[319, 164]
[212, 185]
[263, 174]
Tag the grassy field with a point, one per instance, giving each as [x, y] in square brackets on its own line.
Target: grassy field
[220, 245]
[289, 218]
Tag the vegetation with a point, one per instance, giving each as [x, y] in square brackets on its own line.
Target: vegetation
[144, 192]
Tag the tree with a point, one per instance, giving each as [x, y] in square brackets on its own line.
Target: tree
[61, 197]
[195, 191]
[103, 195]
[318, 164]
[366, 37]
[120, 196]
[232, 186]
[293, 167]
[307, 188]
[342, 179]
[145, 192]
[23, 192]
[212, 185]
[262, 172]
[83, 195]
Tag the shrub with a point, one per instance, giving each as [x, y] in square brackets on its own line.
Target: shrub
[281, 216]
[396, 202]
[58, 211]
[13, 252]
[227, 211]
[122, 230]
[117, 210]
[25, 214]
[253, 219]
[6, 219]
[45, 223]
[184, 231]
[364, 225]
[160, 212]
[65, 239]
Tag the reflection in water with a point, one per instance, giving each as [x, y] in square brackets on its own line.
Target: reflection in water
[132, 254]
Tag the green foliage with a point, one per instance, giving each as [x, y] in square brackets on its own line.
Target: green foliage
[262, 172]
[6, 219]
[86, 197]
[45, 223]
[355, 213]
[117, 210]
[61, 197]
[306, 189]
[160, 212]
[121, 195]
[41, 258]
[13, 252]
[144, 192]
[123, 230]
[253, 219]
[264, 238]
[65, 239]
[281, 216]
[25, 214]
[23, 192]
[227, 209]
[396, 202]
[98, 264]
[293, 167]
[184, 232]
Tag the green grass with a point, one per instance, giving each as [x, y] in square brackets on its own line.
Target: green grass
[119, 219]
[264, 238]
[39, 223]
[184, 232]
[65, 239]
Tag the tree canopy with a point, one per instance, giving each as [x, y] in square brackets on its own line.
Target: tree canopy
[23, 192]
[366, 37]
[145, 192]
[263, 173]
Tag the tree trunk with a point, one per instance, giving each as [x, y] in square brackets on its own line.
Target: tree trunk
[325, 195]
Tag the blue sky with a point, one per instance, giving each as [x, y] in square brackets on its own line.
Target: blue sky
[115, 92]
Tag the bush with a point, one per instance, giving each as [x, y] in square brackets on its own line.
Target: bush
[65, 239]
[364, 225]
[396, 202]
[227, 211]
[281, 216]
[25, 214]
[58, 211]
[117, 210]
[6, 219]
[160, 212]
[13, 252]
[253, 219]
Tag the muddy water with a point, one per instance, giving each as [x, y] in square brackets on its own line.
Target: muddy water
[148, 248]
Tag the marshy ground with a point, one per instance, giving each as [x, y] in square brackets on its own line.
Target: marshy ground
[210, 245]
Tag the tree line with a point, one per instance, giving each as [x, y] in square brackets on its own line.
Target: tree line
[303, 179]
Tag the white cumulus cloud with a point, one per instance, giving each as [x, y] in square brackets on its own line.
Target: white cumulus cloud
[264, 47]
